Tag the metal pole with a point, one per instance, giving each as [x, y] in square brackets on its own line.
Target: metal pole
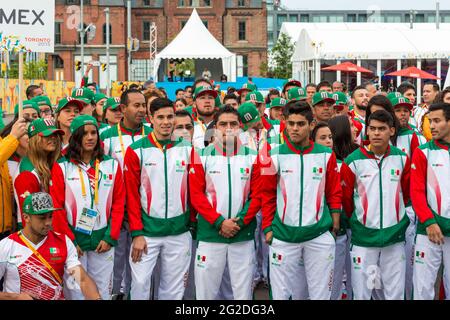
[20, 84]
[437, 14]
[129, 37]
[82, 36]
[411, 12]
[419, 84]
[108, 75]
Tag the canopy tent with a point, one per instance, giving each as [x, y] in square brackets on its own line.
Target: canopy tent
[195, 42]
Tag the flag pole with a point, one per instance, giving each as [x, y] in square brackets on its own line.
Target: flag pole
[20, 83]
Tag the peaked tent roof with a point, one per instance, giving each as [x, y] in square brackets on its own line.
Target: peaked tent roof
[194, 42]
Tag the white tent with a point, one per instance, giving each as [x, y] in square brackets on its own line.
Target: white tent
[195, 42]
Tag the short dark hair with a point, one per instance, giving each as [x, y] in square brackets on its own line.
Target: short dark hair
[435, 85]
[226, 109]
[30, 90]
[318, 126]
[384, 102]
[189, 87]
[178, 90]
[230, 96]
[124, 96]
[93, 84]
[324, 83]
[201, 80]
[184, 113]
[183, 100]
[445, 107]
[405, 86]
[441, 95]
[310, 85]
[357, 88]
[298, 107]
[230, 90]
[382, 116]
[160, 103]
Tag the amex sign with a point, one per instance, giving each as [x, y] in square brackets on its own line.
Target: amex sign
[27, 26]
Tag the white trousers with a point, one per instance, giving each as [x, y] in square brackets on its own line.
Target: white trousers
[175, 253]
[99, 267]
[285, 267]
[428, 257]
[376, 268]
[210, 265]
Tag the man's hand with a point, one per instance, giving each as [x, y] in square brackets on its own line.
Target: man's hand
[435, 234]
[19, 129]
[336, 224]
[103, 246]
[24, 296]
[269, 237]
[139, 245]
[229, 228]
[79, 251]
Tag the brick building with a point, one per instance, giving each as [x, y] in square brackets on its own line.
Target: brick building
[240, 25]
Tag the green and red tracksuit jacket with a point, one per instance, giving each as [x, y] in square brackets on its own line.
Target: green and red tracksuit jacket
[272, 126]
[300, 189]
[223, 187]
[408, 140]
[430, 177]
[375, 195]
[66, 191]
[157, 187]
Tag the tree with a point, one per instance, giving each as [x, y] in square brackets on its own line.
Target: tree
[281, 55]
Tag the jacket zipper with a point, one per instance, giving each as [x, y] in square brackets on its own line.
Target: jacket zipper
[165, 180]
[301, 189]
[229, 188]
[380, 165]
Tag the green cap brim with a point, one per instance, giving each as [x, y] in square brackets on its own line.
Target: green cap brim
[113, 107]
[42, 211]
[212, 92]
[325, 100]
[49, 132]
[404, 104]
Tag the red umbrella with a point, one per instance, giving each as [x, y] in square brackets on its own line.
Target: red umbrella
[347, 67]
[413, 72]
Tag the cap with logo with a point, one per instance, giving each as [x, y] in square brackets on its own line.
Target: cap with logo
[248, 113]
[202, 90]
[27, 104]
[255, 96]
[322, 96]
[82, 120]
[113, 103]
[83, 94]
[99, 96]
[42, 101]
[297, 93]
[43, 127]
[291, 82]
[64, 102]
[340, 99]
[278, 102]
[248, 87]
[392, 95]
[38, 203]
[217, 102]
[401, 101]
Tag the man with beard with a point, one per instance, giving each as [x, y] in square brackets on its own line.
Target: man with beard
[203, 115]
[360, 100]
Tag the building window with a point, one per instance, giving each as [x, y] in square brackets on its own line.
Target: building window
[335, 18]
[304, 18]
[241, 3]
[146, 30]
[362, 17]
[280, 19]
[181, 3]
[207, 3]
[205, 22]
[85, 34]
[183, 23]
[445, 18]
[293, 18]
[245, 65]
[58, 32]
[393, 18]
[104, 33]
[351, 18]
[146, 3]
[242, 34]
[421, 18]
[319, 18]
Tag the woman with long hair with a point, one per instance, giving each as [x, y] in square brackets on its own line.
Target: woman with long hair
[343, 134]
[68, 108]
[100, 100]
[89, 188]
[34, 172]
[112, 113]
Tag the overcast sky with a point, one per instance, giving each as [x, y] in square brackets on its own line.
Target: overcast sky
[365, 4]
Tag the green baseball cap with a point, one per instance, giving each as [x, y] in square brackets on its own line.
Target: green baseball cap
[83, 94]
[320, 96]
[112, 103]
[64, 102]
[217, 101]
[292, 82]
[401, 101]
[255, 96]
[43, 127]
[82, 120]
[27, 104]
[278, 102]
[392, 95]
[42, 101]
[297, 93]
[38, 203]
[99, 96]
[199, 91]
[248, 113]
[247, 86]
[340, 98]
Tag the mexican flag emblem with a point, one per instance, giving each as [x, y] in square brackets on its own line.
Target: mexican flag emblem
[201, 258]
[318, 170]
[181, 163]
[107, 176]
[395, 172]
[357, 260]
[277, 257]
[245, 170]
[54, 251]
[420, 254]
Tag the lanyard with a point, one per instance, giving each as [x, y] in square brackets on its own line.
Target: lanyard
[281, 137]
[202, 125]
[41, 258]
[156, 142]
[83, 187]
[121, 140]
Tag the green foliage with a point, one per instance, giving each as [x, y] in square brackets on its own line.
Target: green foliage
[281, 55]
[31, 70]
